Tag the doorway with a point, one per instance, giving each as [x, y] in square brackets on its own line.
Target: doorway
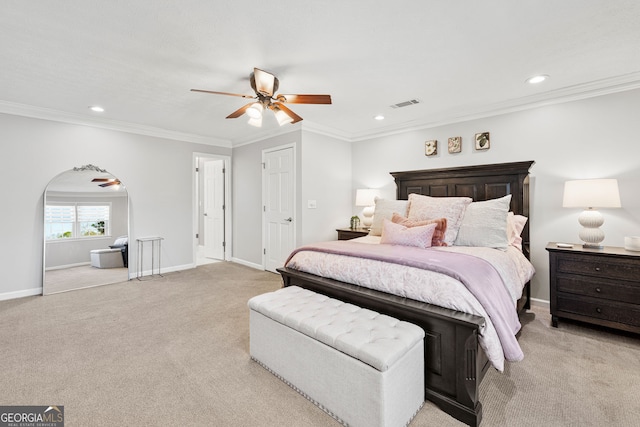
[278, 195]
[212, 224]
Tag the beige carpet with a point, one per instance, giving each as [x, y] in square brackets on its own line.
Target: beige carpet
[175, 351]
[84, 276]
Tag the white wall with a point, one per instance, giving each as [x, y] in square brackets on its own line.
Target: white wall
[157, 173]
[326, 178]
[247, 196]
[323, 174]
[596, 137]
[592, 138]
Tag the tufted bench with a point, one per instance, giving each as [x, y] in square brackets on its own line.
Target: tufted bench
[361, 367]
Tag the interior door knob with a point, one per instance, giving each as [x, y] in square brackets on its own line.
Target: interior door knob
[289, 219]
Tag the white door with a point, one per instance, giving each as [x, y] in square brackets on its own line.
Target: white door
[214, 238]
[279, 206]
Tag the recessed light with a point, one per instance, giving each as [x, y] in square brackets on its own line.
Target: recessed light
[96, 109]
[379, 117]
[537, 79]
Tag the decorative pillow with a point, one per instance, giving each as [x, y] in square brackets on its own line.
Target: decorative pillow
[485, 224]
[385, 209]
[515, 225]
[427, 207]
[438, 234]
[396, 234]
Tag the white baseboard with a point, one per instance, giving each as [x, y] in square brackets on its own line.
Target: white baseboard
[62, 267]
[20, 294]
[247, 263]
[147, 273]
[540, 303]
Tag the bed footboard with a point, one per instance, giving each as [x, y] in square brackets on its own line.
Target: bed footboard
[454, 362]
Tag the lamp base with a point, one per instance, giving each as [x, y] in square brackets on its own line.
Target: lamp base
[591, 234]
[367, 216]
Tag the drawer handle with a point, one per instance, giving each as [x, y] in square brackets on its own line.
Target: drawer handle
[599, 310]
[597, 268]
[598, 290]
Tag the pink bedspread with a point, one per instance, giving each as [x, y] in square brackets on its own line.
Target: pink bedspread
[478, 276]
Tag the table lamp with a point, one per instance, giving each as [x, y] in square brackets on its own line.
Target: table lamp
[591, 194]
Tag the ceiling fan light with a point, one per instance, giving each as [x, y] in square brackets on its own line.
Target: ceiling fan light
[282, 117]
[255, 121]
[255, 111]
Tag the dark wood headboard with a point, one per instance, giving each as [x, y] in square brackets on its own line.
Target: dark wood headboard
[482, 182]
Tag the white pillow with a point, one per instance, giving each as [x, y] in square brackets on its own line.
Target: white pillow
[384, 210]
[485, 224]
[396, 234]
[427, 207]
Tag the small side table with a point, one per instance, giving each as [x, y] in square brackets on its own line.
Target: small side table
[156, 247]
[351, 233]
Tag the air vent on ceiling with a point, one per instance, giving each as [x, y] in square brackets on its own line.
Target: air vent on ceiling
[405, 103]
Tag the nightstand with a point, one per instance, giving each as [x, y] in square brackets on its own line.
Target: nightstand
[598, 286]
[351, 233]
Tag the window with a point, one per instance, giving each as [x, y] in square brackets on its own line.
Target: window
[76, 220]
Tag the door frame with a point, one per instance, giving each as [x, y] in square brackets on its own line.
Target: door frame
[264, 194]
[228, 250]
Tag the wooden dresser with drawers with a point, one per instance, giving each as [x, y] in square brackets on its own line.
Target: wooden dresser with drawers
[598, 286]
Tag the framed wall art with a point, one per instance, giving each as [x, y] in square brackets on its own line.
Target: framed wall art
[431, 148]
[482, 141]
[455, 144]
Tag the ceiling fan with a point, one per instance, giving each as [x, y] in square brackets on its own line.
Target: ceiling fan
[265, 85]
[106, 182]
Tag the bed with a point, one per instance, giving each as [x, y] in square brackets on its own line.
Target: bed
[455, 361]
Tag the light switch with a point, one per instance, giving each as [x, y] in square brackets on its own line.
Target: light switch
[311, 204]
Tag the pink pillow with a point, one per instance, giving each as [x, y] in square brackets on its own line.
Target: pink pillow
[515, 225]
[438, 234]
[396, 234]
[427, 207]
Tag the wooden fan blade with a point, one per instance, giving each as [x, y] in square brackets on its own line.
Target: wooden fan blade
[110, 183]
[101, 179]
[296, 118]
[305, 99]
[264, 82]
[240, 111]
[222, 93]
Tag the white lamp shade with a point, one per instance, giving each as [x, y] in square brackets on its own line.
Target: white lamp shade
[591, 193]
[366, 196]
[282, 117]
[255, 111]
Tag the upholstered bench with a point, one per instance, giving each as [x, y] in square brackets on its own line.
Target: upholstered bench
[107, 258]
[361, 367]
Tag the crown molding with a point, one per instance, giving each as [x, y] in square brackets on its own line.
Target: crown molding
[592, 89]
[280, 130]
[568, 94]
[77, 119]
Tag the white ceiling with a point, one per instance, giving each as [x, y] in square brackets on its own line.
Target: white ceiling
[461, 58]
